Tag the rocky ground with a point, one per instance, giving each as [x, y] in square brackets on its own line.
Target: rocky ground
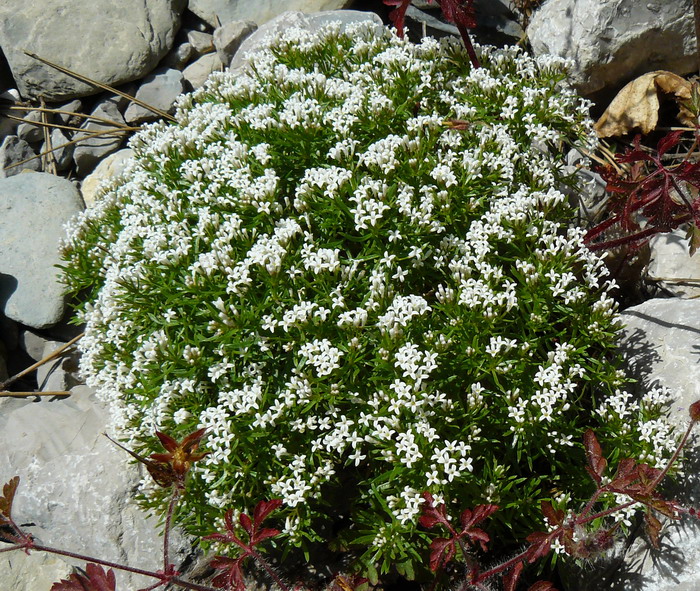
[75, 486]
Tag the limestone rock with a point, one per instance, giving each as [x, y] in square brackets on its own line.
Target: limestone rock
[109, 167]
[33, 209]
[298, 19]
[178, 57]
[111, 42]
[659, 342]
[75, 485]
[671, 263]
[29, 132]
[201, 42]
[91, 149]
[613, 41]
[34, 572]
[228, 38]
[32, 344]
[198, 71]
[13, 151]
[159, 90]
[220, 12]
[62, 149]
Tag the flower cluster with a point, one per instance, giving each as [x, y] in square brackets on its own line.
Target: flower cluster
[351, 263]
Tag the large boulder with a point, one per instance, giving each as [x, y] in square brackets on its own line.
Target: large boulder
[76, 489]
[220, 12]
[613, 41]
[110, 42]
[33, 209]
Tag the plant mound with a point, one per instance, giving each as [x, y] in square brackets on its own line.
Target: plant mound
[354, 266]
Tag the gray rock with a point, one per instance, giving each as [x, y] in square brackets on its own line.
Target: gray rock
[91, 37]
[62, 150]
[67, 118]
[201, 42]
[672, 266]
[228, 38]
[90, 150]
[14, 151]
[308, 21]
[60, 374]
[179, 57]
[159, 90]
[111, 166]
[33, 209]
[198, 71]
[76, 486]
[613, 41]
[661, 343]
[29, 132]
[220, 12]
[32, 344]
[34, 572]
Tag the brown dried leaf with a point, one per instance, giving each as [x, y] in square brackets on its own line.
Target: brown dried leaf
[636, 106]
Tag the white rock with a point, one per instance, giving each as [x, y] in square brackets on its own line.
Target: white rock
[178, 57]
[198, 71]
[91, 149]
[159, 90]
[33, 209]
[660, 342]
[613, 41]
[34, 572]
[13, 151]
[30, 132]
[111, 42]
[201, 42]
[62, 149]
[108, 168]
[671, 264]
[228, 38]
[32, 344]
[75, 485]
[220, 12]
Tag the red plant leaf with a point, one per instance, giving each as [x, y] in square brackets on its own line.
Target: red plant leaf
[540, 545]
[511, 578]
[94, 579]
[232, 577]
[180, 455]
[695, 411]
[398, 15]
[263, 509]
[264, 534]
[653, 528]
[432, 515]
[8, 495]
[459, 12]
[554, 516]
[669, 141]
[594, 454]
[473, 517]
[442, 551]
[246, 524]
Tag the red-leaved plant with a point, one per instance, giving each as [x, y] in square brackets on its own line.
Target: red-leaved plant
[656, 190]
[636, 480]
